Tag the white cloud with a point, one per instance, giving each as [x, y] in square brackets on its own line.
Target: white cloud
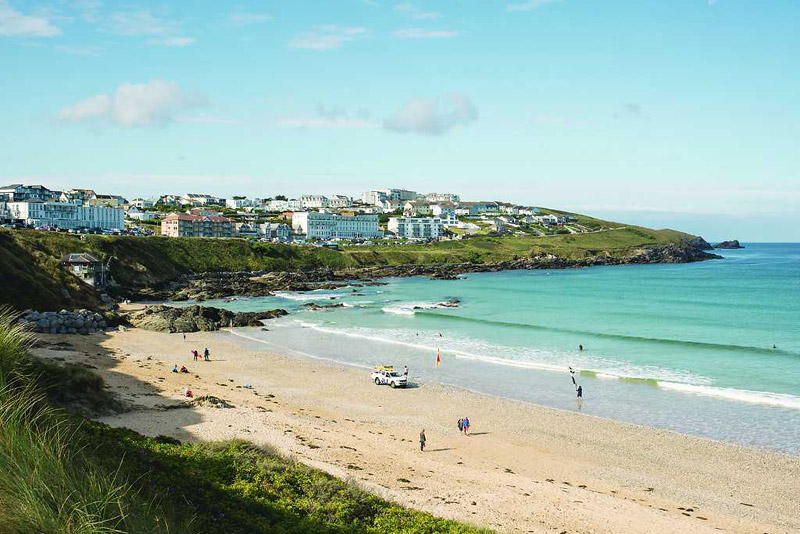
[414, 12]
[328, 37]
[528, 5]
[418, 33]
[132, 105]
[247, 19]
[15, 24]
[179, 42]
[433, 116]
[141, 22]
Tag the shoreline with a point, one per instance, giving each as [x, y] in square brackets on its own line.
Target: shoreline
[527, 468]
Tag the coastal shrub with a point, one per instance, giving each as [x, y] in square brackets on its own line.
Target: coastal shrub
[234, 487]
[46, 482]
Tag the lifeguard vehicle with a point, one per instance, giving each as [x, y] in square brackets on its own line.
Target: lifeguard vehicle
[385, 374]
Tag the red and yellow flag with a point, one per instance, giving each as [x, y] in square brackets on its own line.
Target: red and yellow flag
[438, 357]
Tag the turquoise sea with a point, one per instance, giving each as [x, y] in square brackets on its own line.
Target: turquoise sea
[710, 349]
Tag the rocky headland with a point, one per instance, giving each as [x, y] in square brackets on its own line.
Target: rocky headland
[733, 244]
[264, 283]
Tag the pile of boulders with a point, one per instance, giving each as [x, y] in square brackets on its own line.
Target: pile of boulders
[64, 322]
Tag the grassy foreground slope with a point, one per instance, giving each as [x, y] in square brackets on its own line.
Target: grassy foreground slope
[32, 277]
[62, 474]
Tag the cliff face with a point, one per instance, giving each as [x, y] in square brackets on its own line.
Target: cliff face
[220, 285]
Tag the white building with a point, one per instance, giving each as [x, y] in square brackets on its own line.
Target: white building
[373, 197]
[446, 212]
[280, 231]
[283, 205]
[66, 215]
[340, 201]
[200, 199]
[329, 225]
[442, 197]
[314, 201]
[240, 203]
[142, 203]
[140, 215]
[416, 227]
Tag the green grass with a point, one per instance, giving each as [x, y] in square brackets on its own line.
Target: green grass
[62, 474]
[47, 483]
[33, 278]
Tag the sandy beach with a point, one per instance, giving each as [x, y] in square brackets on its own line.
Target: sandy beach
[524, 468]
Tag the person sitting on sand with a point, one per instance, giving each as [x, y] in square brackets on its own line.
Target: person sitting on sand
[175, 368]
[184, 369]
[422, 440]
[189, 393]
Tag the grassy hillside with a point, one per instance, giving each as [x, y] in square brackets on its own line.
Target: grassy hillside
[32, 277]
[62, 474]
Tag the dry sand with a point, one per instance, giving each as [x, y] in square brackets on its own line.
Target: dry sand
[524, 468]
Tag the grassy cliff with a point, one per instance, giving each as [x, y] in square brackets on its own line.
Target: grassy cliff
[33, 278]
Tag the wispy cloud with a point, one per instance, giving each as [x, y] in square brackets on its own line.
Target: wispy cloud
[328, 118]
[415, 12]
[89, 9]
[419, 33]
[434, 116]
[78, 50]
[528, 5]
[248, 19]
[140, 22]
[133, 105]
[13, 23]
[179, 42]
[328, 37]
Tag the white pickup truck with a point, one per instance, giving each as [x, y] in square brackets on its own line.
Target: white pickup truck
[387, 375]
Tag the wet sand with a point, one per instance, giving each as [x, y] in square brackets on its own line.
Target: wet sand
[523, 468]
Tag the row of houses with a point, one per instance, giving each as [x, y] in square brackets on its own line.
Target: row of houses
[40, 207]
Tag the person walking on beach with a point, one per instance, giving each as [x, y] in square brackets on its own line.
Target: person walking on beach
[422, 440]
[405, 372]
[460, 425]
[184, 336]
[466, 425]
[206, 354]
[580, 392]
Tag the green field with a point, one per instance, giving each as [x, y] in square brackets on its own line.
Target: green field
[33, 278]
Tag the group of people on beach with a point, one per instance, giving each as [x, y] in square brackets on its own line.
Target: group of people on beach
[463, 425]
[205, 357]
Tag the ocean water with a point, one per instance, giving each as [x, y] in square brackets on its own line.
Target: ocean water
[710, 349]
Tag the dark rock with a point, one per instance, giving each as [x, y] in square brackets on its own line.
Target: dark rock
[196, 318]
[728, 244]
[316, 307]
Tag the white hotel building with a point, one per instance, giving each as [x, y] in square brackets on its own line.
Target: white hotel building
[67, 215]
[330, 225]
[416, 227]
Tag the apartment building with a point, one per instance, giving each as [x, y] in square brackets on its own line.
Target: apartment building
[416, 227]
[314, 201]
[184, 225]
[54, 214]
[330, 225]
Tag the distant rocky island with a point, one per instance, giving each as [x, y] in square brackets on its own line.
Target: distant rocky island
[729, 244]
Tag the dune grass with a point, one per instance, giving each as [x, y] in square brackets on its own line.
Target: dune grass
[62, 474]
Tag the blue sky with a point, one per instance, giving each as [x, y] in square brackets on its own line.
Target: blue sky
[671, 113]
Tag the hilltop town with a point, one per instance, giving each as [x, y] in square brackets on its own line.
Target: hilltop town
[398, 215]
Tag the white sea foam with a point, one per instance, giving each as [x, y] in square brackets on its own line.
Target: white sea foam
[409, 308]
[306, 296]
[742, 395]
